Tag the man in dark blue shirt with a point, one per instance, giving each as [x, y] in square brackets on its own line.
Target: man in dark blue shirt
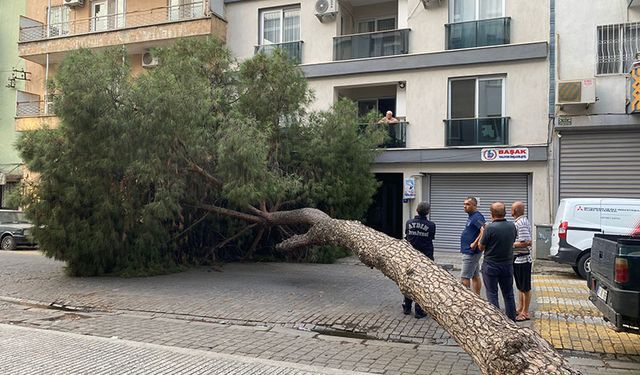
[420, 233]
[469, 239]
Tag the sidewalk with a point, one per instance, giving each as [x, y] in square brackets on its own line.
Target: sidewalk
[342, 316]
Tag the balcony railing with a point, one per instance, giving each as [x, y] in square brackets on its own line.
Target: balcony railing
[34, 30]
[34, 108]
[376, 44]
[479, 33]
[397, 134]
[477, 131]
[292, 49]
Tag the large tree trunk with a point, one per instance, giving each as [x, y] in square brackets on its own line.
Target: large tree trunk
[496, 344]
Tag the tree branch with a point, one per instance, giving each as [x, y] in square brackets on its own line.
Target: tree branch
[232, 213]
[223, 243]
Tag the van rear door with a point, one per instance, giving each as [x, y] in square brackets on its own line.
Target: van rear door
[555, 239]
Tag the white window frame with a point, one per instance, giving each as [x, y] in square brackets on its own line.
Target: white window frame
[281, 10]
[376, 19]
[64, 25]
[477, 14]
[621, 51]
[503, 110]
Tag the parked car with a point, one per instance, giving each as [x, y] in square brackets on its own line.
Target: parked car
[614, 281]
[578, 219]
[15, 230]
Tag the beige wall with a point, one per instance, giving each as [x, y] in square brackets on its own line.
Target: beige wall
[427, 99]
[529, 23]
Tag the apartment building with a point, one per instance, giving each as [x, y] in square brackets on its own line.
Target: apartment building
[598, 98]
[44, 31]
[468, 80]
[11, 78]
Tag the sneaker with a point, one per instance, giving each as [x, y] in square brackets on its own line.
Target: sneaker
[406, 310]
[420, 315]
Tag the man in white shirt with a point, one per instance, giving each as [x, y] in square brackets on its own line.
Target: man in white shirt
[522, 261]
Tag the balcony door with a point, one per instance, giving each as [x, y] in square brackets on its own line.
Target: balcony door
[473, 10]
[476, 109]
[100, 15]
[279, 26]
[185, 9]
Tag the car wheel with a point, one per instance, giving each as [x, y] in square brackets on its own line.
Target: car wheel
[576, 270]
[8, 243]
[584, 265]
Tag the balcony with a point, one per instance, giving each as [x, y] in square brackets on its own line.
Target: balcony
[33, 114]
[479, 33]
[397, 134]
[490, 131]
[375, 44]
[292, 49]
[137, 29]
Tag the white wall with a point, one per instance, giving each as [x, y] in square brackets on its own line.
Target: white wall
[576, 27]
[526, 95]
[529, 23]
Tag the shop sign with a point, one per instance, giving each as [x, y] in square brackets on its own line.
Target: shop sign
[409, 188]
[504, 154]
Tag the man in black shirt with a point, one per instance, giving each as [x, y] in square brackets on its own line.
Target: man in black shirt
[420, 233]
[497, 269]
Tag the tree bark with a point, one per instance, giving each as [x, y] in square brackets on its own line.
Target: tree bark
[496, 344]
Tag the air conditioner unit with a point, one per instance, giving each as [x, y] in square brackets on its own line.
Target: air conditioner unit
[581, 91]
[149, 61]
[431, 3]
[74, 3]
[326, 9]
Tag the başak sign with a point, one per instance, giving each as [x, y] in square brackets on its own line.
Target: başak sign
[505, 154]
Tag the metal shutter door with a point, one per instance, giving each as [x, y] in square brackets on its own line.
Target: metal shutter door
[604, 164]
[448, 191]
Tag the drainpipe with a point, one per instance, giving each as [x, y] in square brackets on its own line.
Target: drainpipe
[553, 76]
[46, 86]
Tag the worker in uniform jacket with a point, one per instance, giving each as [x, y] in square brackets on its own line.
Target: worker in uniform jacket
[420, 233]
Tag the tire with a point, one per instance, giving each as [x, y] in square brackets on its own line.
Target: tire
[584, 265]
[576, 270]
[8, 243]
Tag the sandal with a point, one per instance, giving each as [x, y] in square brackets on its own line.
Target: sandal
[522, 318]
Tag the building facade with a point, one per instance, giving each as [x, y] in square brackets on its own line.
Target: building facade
[468, 80]
[42, 32]
[12, 79]
[597, 107]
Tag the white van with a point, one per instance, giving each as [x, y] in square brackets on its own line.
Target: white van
[578, 219]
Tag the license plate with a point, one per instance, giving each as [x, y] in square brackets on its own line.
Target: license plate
[602, 293]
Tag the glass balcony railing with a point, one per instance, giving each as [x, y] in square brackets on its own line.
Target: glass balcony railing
[479, 33]
[292, 49]
[487, 131]
[397, 134]
[376, 44]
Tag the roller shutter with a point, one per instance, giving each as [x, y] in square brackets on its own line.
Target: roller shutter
[448, 191]
[603, 164]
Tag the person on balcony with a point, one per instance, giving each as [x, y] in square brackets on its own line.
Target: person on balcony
[388, 119]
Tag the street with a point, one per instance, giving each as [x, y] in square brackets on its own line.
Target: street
[263, 318]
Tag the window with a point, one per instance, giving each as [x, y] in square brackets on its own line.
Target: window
[279, 26]
[376, 24]
[472, 10]
[59, 20]
[476, 112]
[107, 14]
[617, 46]
[476, 98]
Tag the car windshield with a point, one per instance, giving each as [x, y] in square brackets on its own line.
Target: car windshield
[13, 217]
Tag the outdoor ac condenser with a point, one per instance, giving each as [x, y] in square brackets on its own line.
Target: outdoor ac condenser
[581, 91]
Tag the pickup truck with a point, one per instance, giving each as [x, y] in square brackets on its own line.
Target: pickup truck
[614, 280]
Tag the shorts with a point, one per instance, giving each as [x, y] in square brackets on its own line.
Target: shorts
[470, 265]
[522, 275]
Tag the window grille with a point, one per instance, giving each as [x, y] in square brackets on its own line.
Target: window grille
[617, 46]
